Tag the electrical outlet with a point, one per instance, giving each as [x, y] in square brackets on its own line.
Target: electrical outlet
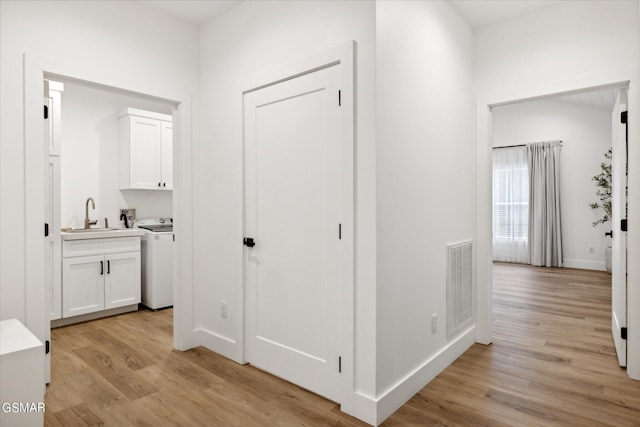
[224, 309]
[592, 249]
[434, 323]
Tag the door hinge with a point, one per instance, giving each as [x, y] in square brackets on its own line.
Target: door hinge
[46, 347]
[46, 229]
[339, 98]
[339, 364]
[248, 241]
[623, 117]
[623, 224]
[46, 112]
[623, 333]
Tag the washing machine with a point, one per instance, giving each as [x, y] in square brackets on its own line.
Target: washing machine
[157, 262]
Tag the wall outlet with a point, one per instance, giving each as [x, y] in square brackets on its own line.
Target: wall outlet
[434, 323]
[224, 309]
[592, 249]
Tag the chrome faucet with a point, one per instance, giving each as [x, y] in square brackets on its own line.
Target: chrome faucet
[87, 222]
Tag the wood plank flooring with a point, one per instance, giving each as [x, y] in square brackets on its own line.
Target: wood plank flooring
[552, 363]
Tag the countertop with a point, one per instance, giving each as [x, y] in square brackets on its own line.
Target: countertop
[101, 233]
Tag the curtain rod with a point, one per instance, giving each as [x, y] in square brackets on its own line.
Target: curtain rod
[524, 145]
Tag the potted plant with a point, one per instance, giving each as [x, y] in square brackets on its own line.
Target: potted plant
[603, 185]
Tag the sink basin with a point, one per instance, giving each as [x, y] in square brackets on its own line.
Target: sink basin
[87, 230]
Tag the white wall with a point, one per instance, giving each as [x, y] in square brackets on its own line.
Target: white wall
[571, 38]
[125, 41]
[250, 39]
[565, 47]
[89, 158]
[586, 135]
[424, 99]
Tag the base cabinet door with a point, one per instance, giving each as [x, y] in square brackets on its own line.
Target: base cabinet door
[83, 279]
[122, 280]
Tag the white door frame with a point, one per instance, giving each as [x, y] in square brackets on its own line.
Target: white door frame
[482, 232]
[36, 69]
[344, 55]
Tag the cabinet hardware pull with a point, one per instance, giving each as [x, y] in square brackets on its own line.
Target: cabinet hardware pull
[108, 267]
[101, 267]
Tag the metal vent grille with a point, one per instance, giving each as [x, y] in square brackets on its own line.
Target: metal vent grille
[459, 287]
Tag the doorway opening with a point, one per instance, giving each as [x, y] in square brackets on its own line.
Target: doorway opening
[586, 121]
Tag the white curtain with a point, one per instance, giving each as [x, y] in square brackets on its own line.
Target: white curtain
[510, 205]
[545, 231]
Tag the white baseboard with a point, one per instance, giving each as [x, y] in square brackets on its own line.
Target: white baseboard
[217, 343]
[583, 264]
[404, 390]
[363, 407]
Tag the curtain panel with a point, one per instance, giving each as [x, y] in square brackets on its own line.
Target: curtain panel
[545, 230]
[510, 205]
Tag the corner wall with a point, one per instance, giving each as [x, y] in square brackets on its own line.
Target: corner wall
[252, 38]
[424, 128]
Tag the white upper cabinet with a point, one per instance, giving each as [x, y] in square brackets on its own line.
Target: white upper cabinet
[146, 150]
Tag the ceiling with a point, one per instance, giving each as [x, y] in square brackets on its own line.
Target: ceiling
[195, 12]
[477, 13]
[603, 98]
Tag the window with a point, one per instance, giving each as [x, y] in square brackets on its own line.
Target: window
[510, 205]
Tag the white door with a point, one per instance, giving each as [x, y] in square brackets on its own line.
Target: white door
[122, 280]
[619, 240]
[53, 272]
[293, 213]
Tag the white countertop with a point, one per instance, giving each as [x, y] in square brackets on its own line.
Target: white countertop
[102, 233]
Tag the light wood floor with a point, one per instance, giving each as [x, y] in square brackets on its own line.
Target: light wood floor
[552, 363]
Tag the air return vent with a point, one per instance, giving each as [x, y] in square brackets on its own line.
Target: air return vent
[459, 288]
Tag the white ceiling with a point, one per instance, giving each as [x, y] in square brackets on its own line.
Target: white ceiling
[479, 13]
[602, 98]
[195, 12]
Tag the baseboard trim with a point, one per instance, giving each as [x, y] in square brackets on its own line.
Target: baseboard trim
[362, 407]
[93, 316]
[217, 343]
[391, 400]
[583, 264]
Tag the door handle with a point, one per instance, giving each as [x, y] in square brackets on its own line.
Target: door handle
[101, 267]
[610, 234]
[108, 267]
[248, 241]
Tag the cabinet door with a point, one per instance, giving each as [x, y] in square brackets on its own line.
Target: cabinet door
[122, 279]
[145, 153]
[166, 142]
[83, 285]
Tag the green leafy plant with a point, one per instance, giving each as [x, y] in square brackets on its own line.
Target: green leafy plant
[603, 184]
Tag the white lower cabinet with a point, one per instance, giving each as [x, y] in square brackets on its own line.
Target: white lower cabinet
[93, 281]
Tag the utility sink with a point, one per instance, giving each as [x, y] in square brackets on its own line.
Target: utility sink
[88, 230]
[100, 233]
